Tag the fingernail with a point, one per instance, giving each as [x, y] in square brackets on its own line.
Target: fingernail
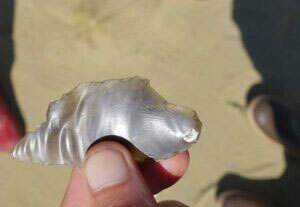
[168, 165]
[105, 168]
[176, 165]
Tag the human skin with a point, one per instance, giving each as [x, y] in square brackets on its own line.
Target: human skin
[110, 177]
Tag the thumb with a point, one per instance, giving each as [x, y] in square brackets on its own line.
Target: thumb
[109, 178]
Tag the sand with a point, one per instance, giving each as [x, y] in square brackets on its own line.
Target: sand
[190, 50]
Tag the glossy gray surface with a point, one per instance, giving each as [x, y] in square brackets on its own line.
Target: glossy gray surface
[128, 108]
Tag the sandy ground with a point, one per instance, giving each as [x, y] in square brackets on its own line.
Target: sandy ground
[190, 50]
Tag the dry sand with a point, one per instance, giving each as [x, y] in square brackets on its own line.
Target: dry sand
[190, 50]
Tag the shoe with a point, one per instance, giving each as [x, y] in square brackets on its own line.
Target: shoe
[10, 132]
[240, 199]
[276, 120]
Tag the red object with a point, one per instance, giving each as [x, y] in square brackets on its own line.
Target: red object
[10, 132]
[156, 176]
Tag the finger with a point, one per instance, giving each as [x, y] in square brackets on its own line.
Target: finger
[163, 174]
[171, 204]
[76, 192]
[109, 178]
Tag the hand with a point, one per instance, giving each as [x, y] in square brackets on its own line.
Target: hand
[111, 178]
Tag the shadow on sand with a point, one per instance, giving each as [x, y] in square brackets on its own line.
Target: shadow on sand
[7, 58]
[270, 31]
